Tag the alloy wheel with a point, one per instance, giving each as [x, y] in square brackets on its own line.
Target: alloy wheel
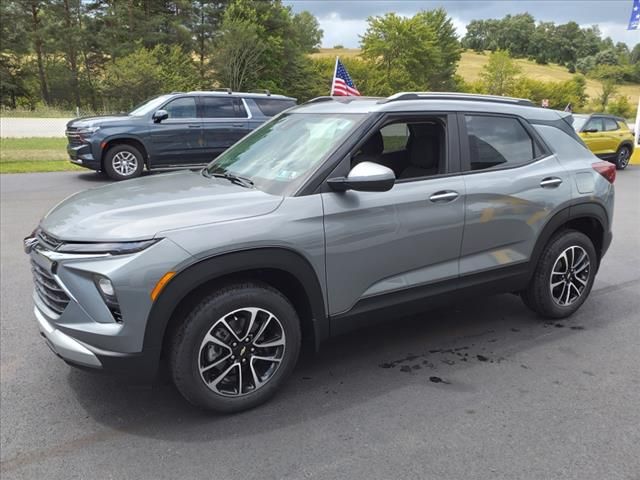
[570, 275]
[623, 157]
[125, 163]
[241, 352]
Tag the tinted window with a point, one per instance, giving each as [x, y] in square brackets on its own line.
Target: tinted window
[610, 124]
[184, 107]
[498, 142]
[272, 106]
[395, 137]
[223, 107]
[594, 124]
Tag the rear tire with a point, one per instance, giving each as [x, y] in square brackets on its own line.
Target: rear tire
[123, 162]
[563, 277]
[218, 358]
[623, 155]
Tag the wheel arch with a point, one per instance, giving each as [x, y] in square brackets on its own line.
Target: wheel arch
[111, 142]
[281, 268]
[589, 218]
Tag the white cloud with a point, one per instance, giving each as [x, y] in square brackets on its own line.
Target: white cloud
[346, 32]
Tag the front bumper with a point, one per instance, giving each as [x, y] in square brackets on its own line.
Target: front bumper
[82, 156]
[83, 331]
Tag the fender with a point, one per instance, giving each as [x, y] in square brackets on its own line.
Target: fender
[211, 268]
[98, 154]
[578, 210]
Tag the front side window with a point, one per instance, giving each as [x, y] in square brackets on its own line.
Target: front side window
[183, 107]
[496, 142]
[149, 106]
[595, 124]
[223, 107]
[280, 155]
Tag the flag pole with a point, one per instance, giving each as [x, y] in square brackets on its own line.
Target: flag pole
[335, 72]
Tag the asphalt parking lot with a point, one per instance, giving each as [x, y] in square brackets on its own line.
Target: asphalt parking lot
[482, 389]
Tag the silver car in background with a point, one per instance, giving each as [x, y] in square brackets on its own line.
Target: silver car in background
[333, 215]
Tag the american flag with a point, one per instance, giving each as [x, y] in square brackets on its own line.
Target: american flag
[342, 83]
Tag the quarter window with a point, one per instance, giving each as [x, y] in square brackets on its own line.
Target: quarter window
[498, 142]
[271, 106]
[223, 107]
[183, 107]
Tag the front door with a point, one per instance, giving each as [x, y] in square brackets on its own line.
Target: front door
[596, 139]
[379, 243]
[178, 140]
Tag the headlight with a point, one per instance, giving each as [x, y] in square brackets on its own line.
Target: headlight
[113, 248]
[86, 131]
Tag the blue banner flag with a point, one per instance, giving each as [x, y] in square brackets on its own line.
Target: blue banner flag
[634, 21]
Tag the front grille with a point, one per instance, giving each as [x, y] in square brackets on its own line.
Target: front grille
[49, 291]
[48, 241]
[73, 137]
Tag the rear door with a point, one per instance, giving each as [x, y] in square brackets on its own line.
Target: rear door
[513, 186]
[178, 139]
[225, 120]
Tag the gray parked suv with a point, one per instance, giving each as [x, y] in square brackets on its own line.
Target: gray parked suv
[332, 215]
[176, 130]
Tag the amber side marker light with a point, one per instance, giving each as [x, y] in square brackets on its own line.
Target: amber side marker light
[161, 284]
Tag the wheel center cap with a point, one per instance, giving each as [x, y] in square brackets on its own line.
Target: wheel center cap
[243, 350]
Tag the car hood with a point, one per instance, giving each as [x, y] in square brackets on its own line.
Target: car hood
[85, 122]
[141, 208]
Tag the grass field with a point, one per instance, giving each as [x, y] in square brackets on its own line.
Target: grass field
[471, 65]
[20, 155]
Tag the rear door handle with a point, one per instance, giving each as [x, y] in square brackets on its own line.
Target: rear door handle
[444, 196]
[195, 126]
[550, 182]
[238, 124]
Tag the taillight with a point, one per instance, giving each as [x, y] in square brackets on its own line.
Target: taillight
[606, 169]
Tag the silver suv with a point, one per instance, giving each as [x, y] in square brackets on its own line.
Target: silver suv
[332, 215]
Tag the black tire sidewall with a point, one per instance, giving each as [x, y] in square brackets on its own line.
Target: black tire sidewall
[186, 345]
[619, 166]
[108, 162]
[538, 295]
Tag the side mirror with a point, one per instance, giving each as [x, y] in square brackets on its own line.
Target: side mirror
[590, 130]
[365, 177]
[160, 115]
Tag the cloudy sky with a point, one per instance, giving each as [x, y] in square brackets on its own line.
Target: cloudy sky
[342, 21]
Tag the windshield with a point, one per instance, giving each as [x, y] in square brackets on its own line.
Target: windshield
[149, 106]
[579, 121]
[280, 155]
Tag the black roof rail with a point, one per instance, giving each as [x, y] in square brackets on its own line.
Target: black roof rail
[456, 96]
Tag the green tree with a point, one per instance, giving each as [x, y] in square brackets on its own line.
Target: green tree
[620, 106]
[609, 77]
[499, 74]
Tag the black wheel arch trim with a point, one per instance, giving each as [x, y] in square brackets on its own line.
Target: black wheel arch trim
[585, 209]
[121, 137]
[208, 269]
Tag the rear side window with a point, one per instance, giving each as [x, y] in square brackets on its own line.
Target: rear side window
[272, 106]
[183, 107]
[498, 142]
[223, 107]
[610, 124]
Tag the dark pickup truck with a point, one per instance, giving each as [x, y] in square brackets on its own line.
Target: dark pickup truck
[177, 130]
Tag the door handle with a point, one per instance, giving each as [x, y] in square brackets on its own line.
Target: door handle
[550, 182]
[195, 126]
[238, 124]
[444, 196]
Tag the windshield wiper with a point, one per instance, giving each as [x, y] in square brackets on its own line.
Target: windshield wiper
[238, 180]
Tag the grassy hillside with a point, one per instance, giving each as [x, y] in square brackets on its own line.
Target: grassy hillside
[471, 65]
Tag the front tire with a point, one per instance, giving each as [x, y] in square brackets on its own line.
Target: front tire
[563, 277]
[236, 348]
[122, 162]
[622, 157]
